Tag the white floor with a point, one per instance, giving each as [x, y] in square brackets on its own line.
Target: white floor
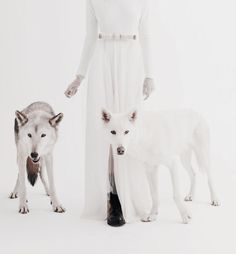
[42, 231]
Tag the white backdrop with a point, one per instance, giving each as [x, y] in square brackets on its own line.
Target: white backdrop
[40, 46]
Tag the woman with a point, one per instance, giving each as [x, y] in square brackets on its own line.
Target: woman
[117, 53]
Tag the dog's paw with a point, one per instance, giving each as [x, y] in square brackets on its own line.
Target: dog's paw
[215, 202]
[188, 198]
[58, 209]
[13, 195]
[24, 209]
[186, 217]
[149, 218]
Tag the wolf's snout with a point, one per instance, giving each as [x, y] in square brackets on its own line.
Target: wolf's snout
[120, 150]
[34, 155]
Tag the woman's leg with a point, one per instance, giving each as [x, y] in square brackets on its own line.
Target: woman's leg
[115, 217]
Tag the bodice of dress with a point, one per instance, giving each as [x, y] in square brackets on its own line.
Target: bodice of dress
[128, 17]
[118, 16]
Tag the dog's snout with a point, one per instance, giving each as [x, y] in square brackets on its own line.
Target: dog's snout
[120, 150]
[34, 155]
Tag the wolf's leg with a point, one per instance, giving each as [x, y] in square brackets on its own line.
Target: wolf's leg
[54, 200]
[176, 193]
[23, 208]
[187, 164]
[152, 177]
[202, 152]
[42, 177]
[14, 194]
[204, 163]
[214, 199]
[153, 182]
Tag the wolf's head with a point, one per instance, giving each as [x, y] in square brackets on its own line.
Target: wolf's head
[120, 129]
[36, 133]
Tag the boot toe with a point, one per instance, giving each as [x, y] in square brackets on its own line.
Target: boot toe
[116, 221]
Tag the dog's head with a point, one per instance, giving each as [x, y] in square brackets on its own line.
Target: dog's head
[37, 133]
[120, 129]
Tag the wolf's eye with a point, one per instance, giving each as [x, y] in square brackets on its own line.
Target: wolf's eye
[29, 135]
[43, 135]
[126, 132]
[113, 132]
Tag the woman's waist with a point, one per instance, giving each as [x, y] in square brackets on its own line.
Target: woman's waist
[118, 36]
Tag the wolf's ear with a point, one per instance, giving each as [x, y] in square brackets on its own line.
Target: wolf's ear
[133, 116]
[106, 116]
[21, 118]
[54, 121]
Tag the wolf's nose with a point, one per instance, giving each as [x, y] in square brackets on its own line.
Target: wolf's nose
[34, 155]
[120, 150]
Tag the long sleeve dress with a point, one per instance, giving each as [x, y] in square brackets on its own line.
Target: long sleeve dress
[116, 69]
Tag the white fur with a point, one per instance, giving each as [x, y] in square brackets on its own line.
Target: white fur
[160, 138]
[39, 119]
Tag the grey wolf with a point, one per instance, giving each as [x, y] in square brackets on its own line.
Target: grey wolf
[36, 131]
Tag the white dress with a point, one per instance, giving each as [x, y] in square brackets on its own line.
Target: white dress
[116, 71]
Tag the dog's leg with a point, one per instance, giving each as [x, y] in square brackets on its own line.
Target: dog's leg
[23, 208]
[52, 192]
[14, 194]
[187, 164]
[176, 193]
[152, 176]
[42, 177]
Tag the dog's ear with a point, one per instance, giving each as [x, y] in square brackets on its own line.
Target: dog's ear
[21, 118]
[133, 116]
[106, 116]
[54, 121]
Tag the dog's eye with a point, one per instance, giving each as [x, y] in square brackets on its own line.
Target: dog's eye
[29, 135]
[126, 132]
[43, 135]
[113, 132]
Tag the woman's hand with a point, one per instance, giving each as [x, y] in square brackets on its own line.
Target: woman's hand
[148, 87]
[73, 87]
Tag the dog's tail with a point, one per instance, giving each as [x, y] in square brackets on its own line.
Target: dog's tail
[32, 171]
[201, 145]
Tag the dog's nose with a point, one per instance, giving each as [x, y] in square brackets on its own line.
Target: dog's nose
[120, 150]
[34, 155]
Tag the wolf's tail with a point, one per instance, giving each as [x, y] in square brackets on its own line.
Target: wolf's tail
[32, 171]
[201, 145]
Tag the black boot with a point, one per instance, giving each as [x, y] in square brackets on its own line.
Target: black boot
[115, 217]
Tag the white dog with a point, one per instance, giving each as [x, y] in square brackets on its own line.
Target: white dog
[159, 138]
[35, 136]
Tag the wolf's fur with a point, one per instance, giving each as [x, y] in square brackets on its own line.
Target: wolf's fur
[35, 136]
[160, 138]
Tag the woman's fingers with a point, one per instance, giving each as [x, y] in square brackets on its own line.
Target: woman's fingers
[71, 91]
[148, 88]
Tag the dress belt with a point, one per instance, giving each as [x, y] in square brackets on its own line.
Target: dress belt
[117, 37]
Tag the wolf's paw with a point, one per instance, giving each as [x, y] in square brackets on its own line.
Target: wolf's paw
[58, 209]
[13, 195]
[188, 198]
[24, 209]
[215, 202]
[149, 218]
[186, 217]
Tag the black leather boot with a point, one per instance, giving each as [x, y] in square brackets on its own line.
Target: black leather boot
[115, 217]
